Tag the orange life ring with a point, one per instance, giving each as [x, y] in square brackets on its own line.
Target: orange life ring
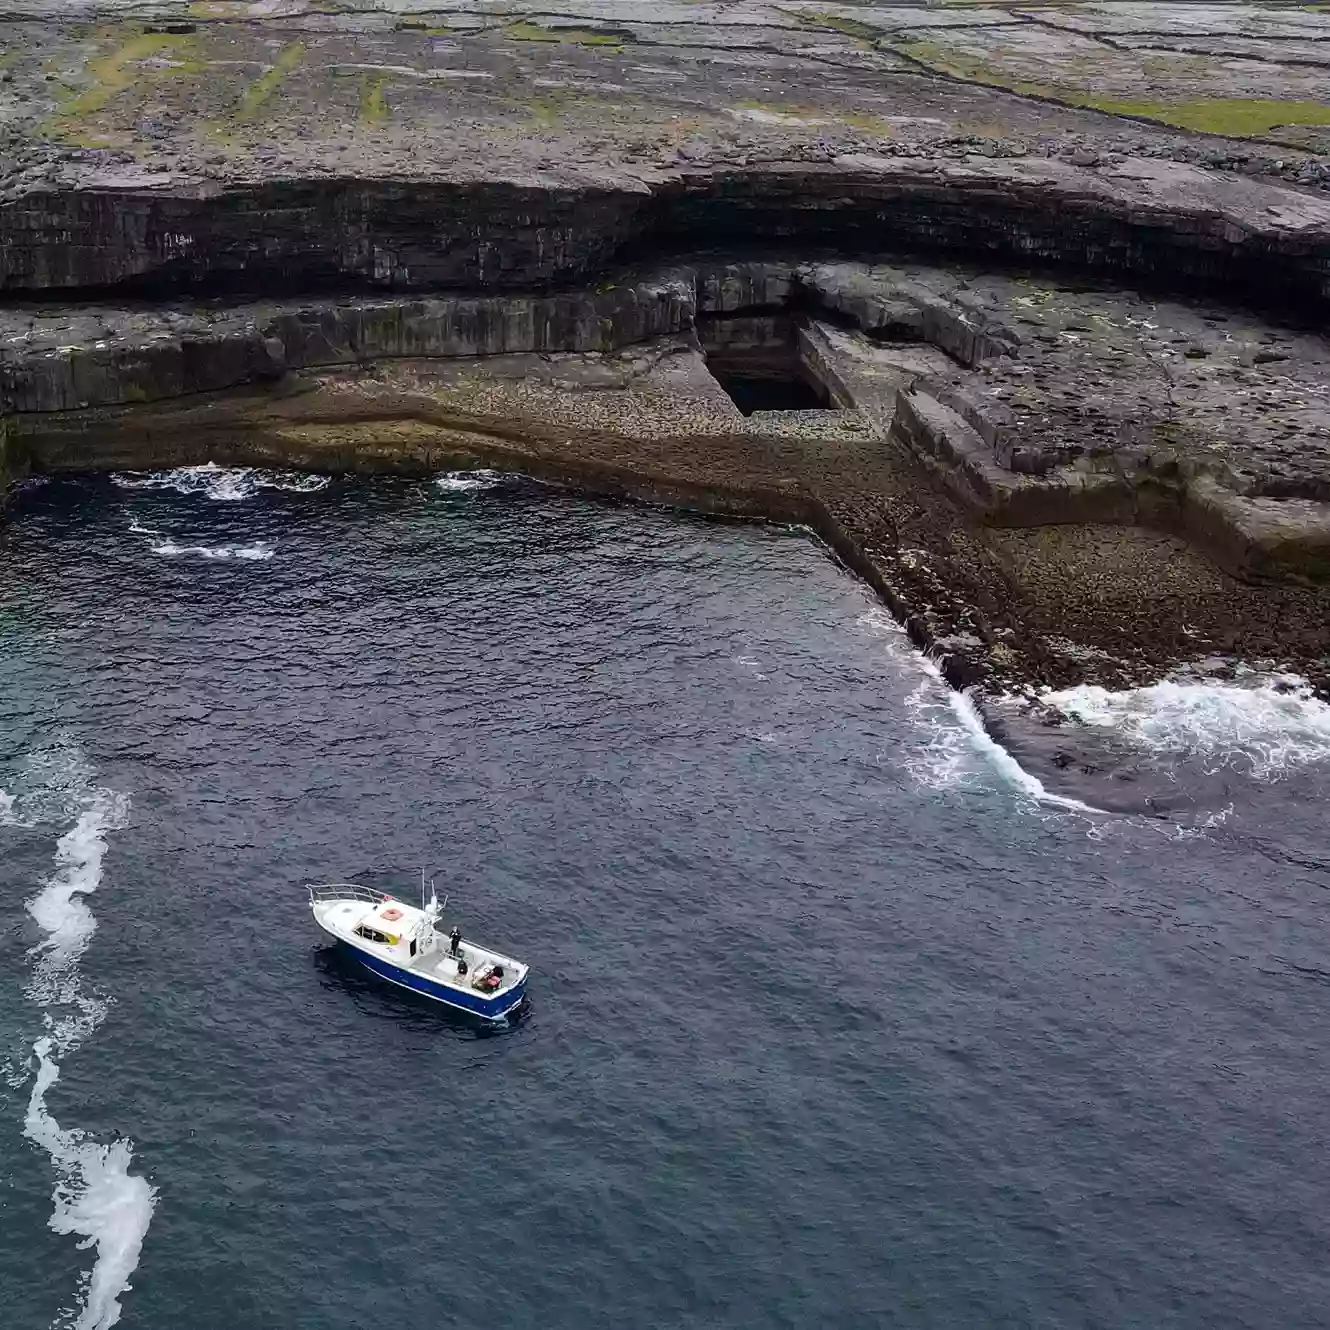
[391, 913]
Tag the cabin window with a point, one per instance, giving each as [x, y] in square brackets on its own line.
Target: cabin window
[413, 946]
[372, 934]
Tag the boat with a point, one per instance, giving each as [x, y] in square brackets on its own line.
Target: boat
[404, 945]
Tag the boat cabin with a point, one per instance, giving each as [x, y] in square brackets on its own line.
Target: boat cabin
[389, 925]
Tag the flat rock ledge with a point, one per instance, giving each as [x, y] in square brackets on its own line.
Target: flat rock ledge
[975, 429]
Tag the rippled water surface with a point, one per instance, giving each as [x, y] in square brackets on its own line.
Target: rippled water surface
[837, 1017]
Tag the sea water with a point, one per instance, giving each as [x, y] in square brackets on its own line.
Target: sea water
[843, 1011]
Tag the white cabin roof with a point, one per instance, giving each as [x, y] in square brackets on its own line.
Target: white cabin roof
[395, 918]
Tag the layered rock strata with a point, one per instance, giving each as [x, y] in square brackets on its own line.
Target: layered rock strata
[1035, 404]
[1171, 223]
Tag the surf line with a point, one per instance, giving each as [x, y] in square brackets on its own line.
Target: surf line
[1002, 761]
[95, 1197]
[981, 742]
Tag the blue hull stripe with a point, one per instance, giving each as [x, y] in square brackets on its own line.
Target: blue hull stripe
[417, 983]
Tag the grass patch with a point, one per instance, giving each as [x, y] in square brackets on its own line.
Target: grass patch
[867, 123]
[533, 32]
[114, 72]
[1233, 117]
[550, 107]
[547, 110]
[373, 104]
[263, 87]
[849, 27]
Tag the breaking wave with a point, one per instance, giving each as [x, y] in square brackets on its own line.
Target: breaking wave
[457, 482]
[96, 1197]
[1259, 725]
[164, 545]
[956, 750]
[224, 483]
[257, 551]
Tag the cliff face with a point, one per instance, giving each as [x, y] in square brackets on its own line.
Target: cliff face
[7, 470]
[304, 234]
[1171, 224]
[59, 360]
[281, 149]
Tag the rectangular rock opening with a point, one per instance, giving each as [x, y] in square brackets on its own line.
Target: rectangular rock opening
[756, 359]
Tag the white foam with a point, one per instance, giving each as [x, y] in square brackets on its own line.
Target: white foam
[944, 758]
[95, 1196]
[224, 483]
[1002, 761]
[55, 788]
[258, 551]
[953, 733]
[1264, 725]
[458, 482]
[68, 924]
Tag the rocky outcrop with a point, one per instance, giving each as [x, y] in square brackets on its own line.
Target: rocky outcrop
[1162, 221]
[103, 356]
[1033, 406]
[352, 237]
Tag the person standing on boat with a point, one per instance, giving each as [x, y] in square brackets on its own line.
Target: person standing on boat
[455, 938]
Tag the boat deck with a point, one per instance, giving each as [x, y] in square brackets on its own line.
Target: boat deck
[441, 966]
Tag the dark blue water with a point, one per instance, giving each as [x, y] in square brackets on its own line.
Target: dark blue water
[832, 1021]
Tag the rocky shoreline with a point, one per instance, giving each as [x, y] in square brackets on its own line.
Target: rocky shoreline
[1068, 413]
[934, 469]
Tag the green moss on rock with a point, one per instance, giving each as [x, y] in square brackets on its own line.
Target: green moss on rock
[533, 32]
[263, 87]
[1233, 117]
[144, 57]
